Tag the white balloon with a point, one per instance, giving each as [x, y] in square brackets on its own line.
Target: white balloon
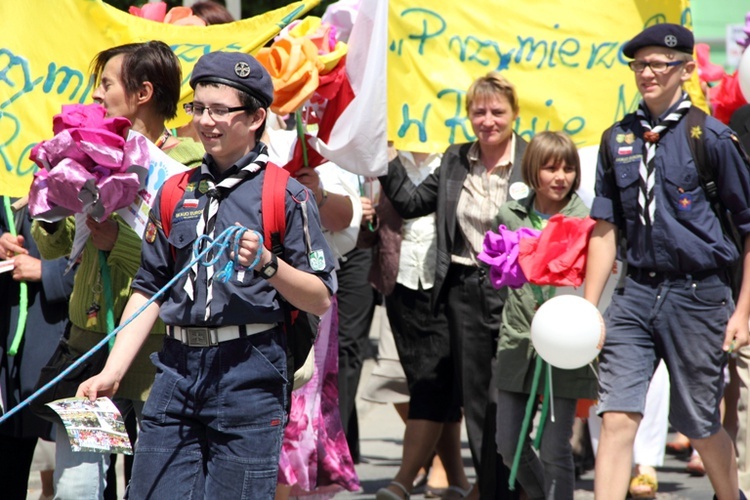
[743, 74]
[567, 331]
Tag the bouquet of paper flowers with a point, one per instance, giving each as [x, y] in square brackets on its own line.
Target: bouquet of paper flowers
[91, 166]
[554, 256]
[307, 64]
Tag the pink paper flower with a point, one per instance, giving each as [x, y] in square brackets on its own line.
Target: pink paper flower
[500, 252]
[88, 166]
[153, 11]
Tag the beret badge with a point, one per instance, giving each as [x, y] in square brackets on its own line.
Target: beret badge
[242, 69]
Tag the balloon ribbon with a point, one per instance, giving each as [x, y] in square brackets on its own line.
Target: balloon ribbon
[538, 368]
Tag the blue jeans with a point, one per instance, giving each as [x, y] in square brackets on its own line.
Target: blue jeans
[213, 423]
[83, 475]
[552, 473]
[681, 321]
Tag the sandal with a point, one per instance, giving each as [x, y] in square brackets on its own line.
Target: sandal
[643, 486]
[679, 447]
[386, 494]
[695, 466]
[454, 493]
[434, 491]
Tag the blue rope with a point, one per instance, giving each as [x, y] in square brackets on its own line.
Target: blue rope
[232, 234]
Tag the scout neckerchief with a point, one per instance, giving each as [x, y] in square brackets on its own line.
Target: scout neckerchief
[647, 171]
[207, 222]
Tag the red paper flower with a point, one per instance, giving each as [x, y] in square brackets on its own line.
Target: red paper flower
[558, 256]
[726, 97]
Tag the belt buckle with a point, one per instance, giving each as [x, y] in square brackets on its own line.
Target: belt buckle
[198, 337]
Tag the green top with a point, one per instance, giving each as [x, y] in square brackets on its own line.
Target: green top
[123, 260]
[515, 352]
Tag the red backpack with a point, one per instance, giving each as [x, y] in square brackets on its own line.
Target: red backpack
[272, 204]
[301, 327]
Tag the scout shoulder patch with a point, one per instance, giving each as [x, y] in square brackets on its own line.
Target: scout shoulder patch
[317, 260]
[150, 233]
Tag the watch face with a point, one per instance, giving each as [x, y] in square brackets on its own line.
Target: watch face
[268, 271]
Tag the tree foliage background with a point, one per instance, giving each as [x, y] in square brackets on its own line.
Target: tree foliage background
[250, 8]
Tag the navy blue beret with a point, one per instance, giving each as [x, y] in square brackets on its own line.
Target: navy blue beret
[236, 69]
[671, 36]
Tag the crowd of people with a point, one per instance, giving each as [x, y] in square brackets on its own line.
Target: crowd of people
[204, 367]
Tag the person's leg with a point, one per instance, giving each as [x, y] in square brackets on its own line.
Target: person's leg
[44, 463]
[651, 438]
[730, 402]
[717, 452]
[510, 415]
[627, 362]
[556, 452]
[420, 438]
[356, 299]
[743, 418]
[46, 477]
[78, 474]
[614, 456]
[449, 456]
[213, 423]
[244, 418]
[474, 311]
[168, 461]
[690, 335]
[403, 411]
[15, 463]
[110, 492]
[423, 343]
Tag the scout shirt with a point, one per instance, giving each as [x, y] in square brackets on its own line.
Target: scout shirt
[246, 298]
[686, 235]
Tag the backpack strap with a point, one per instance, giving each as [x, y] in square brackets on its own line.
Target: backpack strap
[696, 133]
[171, 193]
[273, 208]
[695, 127]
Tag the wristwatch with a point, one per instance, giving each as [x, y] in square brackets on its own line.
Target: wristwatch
[269, 268]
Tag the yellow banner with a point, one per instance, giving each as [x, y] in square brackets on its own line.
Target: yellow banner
[46, 50]
[565, 59]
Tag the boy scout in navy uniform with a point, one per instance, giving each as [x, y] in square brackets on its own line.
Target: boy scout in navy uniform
[676, 303]
[213, 423]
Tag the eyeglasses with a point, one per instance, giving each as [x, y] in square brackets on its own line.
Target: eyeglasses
[194, 109]
[657, 67]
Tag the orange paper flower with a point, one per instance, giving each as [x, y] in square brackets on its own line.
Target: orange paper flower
[294, 68]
